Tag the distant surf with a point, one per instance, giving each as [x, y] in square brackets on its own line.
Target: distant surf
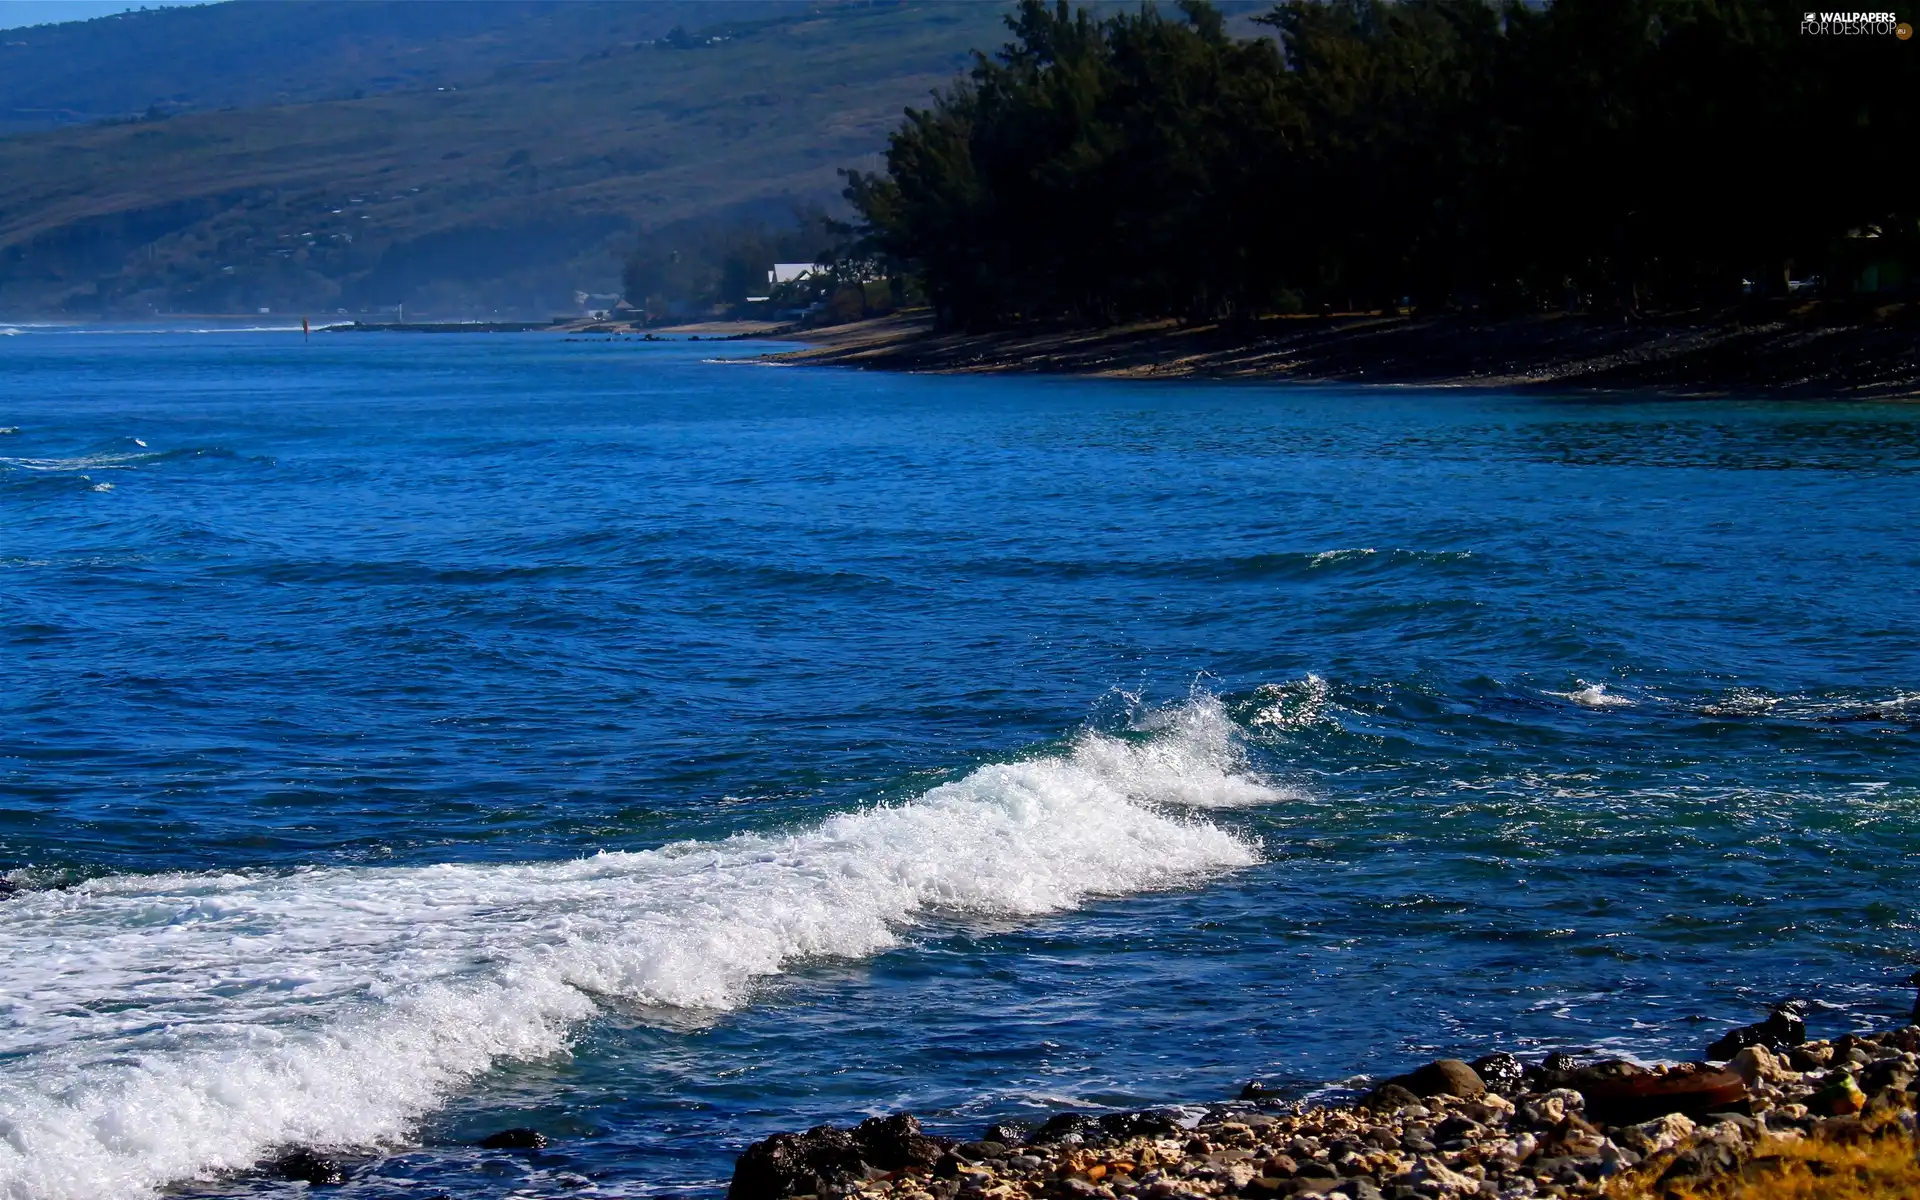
[167, 1027]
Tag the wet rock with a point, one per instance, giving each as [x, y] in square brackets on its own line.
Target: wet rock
[788, 1164]
[897, 1142]
[309, 1168]
[1785, 1026]
[1500, 1072]
[1004, 1132]
[1444, 1077]
[1389, 1097]
[1152, 1123]
[515, 1139]
[1065, 1127]
[1255, 1090]
[7, 887]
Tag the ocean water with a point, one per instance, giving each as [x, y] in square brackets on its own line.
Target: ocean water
[404, 738]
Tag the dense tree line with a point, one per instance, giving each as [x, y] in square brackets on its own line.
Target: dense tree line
[1620, 155]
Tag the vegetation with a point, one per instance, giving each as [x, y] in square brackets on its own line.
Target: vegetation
[1614, 155]
[1874, 1161]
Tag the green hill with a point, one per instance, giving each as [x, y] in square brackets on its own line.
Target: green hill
[304, 157]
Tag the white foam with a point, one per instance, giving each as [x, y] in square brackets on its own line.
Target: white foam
[160, 1028]
[1594, 695]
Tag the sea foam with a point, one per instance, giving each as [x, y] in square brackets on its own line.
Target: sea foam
[161, 1028]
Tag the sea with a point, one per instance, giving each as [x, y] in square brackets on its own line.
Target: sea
[408, 737]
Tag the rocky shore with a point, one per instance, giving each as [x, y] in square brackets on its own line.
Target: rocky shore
[1783, 1117]
[1808, 351]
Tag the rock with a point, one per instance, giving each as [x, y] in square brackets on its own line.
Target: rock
[1700, 1162]
[1814, 1056]
[1389, 1097]
[1360, 1189]
[1065, 1127]
[514, 1139]
[1840, 1097]
[1255, 1090]
[1005, 1133]
[1458, 1130]
[980, 1151]
[1152, 1124]
[1501, 1072]
[791, 1164]
[1887, 1073]
[1444, 1077]
[309, 1168]
[1756, 1065]
[896, 1143]
[1785, 1026]
[7, 887]
[1656, 1136]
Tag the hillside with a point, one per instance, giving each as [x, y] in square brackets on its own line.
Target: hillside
[247, 53]
[560, 130]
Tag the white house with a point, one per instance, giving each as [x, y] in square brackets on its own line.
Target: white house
[788, 272]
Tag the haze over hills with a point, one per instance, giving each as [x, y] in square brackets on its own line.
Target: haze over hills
[460, 158]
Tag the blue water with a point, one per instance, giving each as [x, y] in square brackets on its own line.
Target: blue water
[1016, 745]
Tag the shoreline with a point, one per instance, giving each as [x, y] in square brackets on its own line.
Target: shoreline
[1780, 1115]
[1783, 355]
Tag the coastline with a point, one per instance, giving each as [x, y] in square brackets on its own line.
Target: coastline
[1789, 1120]
[1785, 355]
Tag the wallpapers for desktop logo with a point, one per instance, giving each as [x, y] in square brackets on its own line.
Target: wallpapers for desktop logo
[1856, 24]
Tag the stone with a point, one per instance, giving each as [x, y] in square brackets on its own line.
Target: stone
[309, 1168]
[1066, 1127]
[1839, 1097]
[981, 1151]
[1700, 1162]
[1656, 1136]
[1887, 1073]
[1444, 1077]
[7, 887]
[514, 1139]
[1500, 1072]
[1150, 1124]
[1785, 1026]
[1756, 1065]
[1389, 1097]
[1814, 1056]
[897, 1143]
[1004, 1132]
[790, 1164]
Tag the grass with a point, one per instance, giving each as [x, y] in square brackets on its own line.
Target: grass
[1842, 1161]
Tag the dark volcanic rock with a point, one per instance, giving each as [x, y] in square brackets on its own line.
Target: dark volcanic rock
[1785, 1026]
[1004, 1132]
[1151, 1123]
[820, 1160]
[309, 1168]
[1066, 1127]
[892, 1143]
[515, 1139]
[826, 1159]
[1501, 1072]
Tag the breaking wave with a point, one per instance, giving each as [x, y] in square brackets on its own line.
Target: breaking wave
[160, 1028]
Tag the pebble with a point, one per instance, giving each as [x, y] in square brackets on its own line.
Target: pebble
[1431, 1134]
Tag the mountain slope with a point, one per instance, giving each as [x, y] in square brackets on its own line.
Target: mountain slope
[506, 192]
